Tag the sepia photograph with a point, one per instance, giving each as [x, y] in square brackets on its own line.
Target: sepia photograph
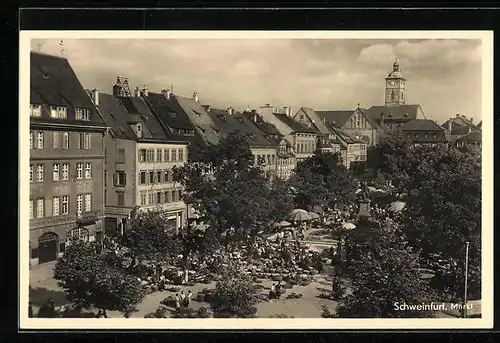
[256, 179]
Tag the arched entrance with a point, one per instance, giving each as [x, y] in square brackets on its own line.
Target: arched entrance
[47, 247]
[77, 234]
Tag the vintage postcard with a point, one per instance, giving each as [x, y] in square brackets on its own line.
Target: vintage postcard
[259, 179]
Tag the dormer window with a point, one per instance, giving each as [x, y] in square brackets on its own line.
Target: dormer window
[59, 112]
[82, 114]
[173, 114]
[35, 110]
[139, 130]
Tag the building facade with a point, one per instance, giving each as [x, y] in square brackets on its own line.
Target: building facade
[66, 160]
[423, 132]
[140, 158]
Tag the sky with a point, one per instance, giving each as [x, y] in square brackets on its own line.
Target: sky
[443, 76]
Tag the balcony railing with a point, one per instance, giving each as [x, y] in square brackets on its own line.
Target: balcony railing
[86, 218]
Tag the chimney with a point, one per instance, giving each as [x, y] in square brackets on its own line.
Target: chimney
[166, 93]
[95, 96]
[195, 96]
[469, 129]
[323, 120]
[207, 108]
[471, 120]
[449, 124]
[145, 91]
[458, 115]
[254, 117]
[230, 111]
[463, 117]
[137, 92]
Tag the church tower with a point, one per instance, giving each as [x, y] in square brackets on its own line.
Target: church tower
[395, 87]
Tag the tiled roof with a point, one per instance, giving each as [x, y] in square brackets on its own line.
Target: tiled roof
[294, 125]
[54, 83]
[344, 137]
[317, 120]
[238, 122]
[199, 118]
[474, 136]
[269, 130]
[118, 112]
[401, 112]
[459, 125]
[169, 111]
[339, 118]
[420, 125]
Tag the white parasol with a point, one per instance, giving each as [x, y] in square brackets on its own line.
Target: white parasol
[348, 226]
[299, 215]
[397, 206]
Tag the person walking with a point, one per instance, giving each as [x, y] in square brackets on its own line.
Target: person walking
[188, 298]
[183, 299]
[177, 301]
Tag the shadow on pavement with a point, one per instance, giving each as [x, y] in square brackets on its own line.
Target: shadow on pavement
[321, 289]
[39, 296]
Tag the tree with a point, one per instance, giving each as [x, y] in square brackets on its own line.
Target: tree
[151, 238]
[322, 180]
[235, 294]
[89, 281]
[383, 272]
[236, 197]
[444, 212]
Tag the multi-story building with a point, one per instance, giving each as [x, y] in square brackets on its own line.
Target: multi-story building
[66, 160]
[264, 151]
[140, 157]
[352, 149]
[396, 111]
[459, 126]
[285, 157]
[423, 132]
[303, 138]
[355, 123]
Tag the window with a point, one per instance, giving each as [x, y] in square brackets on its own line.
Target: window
[56, 140]
[158, 198]
[142, 178]
[32, 135]
[121, 198]
[40, 208]
[88, 202]
[65, 204]
[120, 179]
[35, 110]
[55, 172]
[433, 135]
[39, 140]
[55, 206]
[120, 156]
[416, 135]
[142, 155]
[31, 172]
[65, 140]
[31, 209]
[143, 198]
[84, 140]
[58, 112]
[151, 198]
[425, 135]
[181, 155]
[168, 198]
[82, 114]
[88, 170]
[79, 204]
[174, 155]
[159, 155]
[39, 172]
[65, 171]
[166, 152]
[158, 176]
[151, 155]
[79, 171]
[151, 177]
[173, 114]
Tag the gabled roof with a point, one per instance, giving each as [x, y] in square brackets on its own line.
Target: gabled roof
[316, 120]
[294, 125]
[118, 113]
[199, 118]
[238, 122]
[480, 125]
[401, 112]
[342, 137]
[54, 83]
[339, 118]
[169, 111]
[268, 130]
[421, 125]
[459, 125]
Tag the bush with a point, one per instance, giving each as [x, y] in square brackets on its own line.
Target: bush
[161, 312]
[184, 312]
[150, 315]
[325, 312]
[280, 316]
[204, 312]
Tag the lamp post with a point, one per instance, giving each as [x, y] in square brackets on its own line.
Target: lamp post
[465, 277]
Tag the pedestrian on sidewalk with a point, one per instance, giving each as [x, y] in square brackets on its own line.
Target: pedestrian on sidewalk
[177, 301]
[182, 299]
[188, 298]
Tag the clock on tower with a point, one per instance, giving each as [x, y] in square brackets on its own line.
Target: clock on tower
[395, 87]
